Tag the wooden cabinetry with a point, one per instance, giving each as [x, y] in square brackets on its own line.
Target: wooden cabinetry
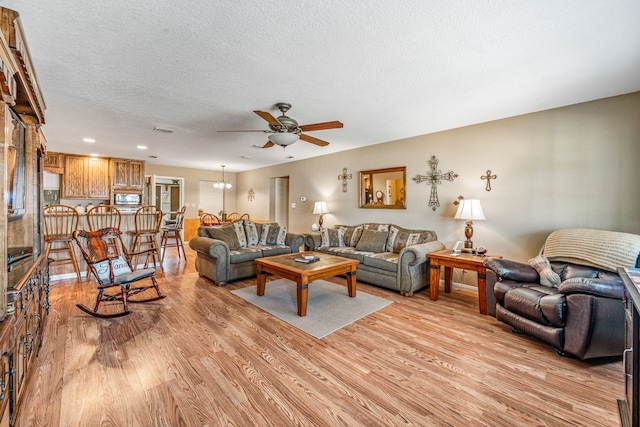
[53, 163]
[23, 266]
[127, 174]
[85, 177]
[629, 407]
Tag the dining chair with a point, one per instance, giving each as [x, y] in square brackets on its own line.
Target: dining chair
[60, 221]
[209, 219]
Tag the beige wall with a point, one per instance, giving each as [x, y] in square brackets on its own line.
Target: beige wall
[192, 178]
[569, 167]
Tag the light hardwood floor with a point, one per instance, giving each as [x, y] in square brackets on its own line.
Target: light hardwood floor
[205, 357]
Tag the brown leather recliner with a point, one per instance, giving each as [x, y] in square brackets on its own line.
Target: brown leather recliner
[584, 315]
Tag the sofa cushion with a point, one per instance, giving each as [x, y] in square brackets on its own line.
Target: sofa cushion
[273, 235]
[251, 231]
[332, 237]
[538, 303]
[238, 226]
[373, 241]
[384, 260]
[352, 234]
[275, 250]
[400, 238]
[376, 226]
[245, 254]
[548, 277]
[227, 234]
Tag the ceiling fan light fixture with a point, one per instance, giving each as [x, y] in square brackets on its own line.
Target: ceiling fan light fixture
[283, 138]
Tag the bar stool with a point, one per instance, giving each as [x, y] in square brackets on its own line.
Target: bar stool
[60, 221]
[172, 231]
[147, 222]
[105, 216]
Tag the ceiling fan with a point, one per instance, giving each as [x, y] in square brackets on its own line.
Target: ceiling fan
[284, 130]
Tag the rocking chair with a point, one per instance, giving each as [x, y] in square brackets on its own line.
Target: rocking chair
[111, 271]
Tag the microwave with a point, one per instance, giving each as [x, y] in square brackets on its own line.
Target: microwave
[127, 199]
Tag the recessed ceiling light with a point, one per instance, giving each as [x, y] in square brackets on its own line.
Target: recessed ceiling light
[246, 157]
[289, 157]
[142, 147]
[89, 140]
[153, 157]
[94, 155]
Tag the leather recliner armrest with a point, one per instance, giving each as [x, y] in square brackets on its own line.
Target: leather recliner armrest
[512, 270]
[596, 287]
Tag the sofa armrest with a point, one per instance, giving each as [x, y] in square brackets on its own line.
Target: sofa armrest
[512, 270]
[212, 247]
[417, 254]
[294, 241]
[313, 241]
[596, 287]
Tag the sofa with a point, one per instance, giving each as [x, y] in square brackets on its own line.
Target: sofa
[390, 256]
[570, 295]
[227, 252]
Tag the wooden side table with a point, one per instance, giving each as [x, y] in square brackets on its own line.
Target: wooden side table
[446, 258]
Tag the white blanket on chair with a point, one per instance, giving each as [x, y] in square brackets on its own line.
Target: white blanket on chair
[598, 248]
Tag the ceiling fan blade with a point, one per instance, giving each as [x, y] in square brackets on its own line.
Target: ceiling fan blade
[313, 140]
[268, 117]
[321, 126]
[263, 131]
[268, 144]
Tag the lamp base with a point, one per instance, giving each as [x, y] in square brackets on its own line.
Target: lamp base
[320, 221]
[468, 232]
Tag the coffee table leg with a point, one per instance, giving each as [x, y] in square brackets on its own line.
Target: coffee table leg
[351, 283]
[302, 295]
[261, 282]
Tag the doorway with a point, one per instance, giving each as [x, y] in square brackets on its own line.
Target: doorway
[279, 200]
[166, 193]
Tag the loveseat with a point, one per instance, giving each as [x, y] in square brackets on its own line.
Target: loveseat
[227, 252]
[390, 256]
[570, 295]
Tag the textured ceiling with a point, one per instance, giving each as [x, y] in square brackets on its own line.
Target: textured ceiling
[388, 70]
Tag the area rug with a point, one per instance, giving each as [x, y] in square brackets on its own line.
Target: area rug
[329, 306]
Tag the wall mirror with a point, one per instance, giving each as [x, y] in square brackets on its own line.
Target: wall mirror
[383, 188]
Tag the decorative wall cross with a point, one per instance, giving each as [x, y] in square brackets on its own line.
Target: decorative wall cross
[344, 177]
[434, 177]
[488, 177]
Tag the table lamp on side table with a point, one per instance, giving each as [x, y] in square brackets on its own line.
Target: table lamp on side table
[320, 208]
[470, 210]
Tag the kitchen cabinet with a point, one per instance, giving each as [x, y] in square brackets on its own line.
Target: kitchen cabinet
[85, 177]
[53, 163]
[629, 407]
[127, 174]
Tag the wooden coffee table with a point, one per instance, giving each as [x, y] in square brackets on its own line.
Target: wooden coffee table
[446, 258]
[287, 267]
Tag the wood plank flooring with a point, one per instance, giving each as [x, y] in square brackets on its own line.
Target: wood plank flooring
[205, 357]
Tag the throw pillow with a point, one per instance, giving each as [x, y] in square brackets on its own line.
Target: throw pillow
[251, 231]
[548, 277]
[332, 237]
[400, 238]
[273, 235]
[238, 226]
[352, 235]
[379, 227]
[227, 234]
[372, 241]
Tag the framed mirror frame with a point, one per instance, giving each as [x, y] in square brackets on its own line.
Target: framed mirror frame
[383, 188]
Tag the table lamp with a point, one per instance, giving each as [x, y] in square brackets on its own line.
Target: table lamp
[320, 208]
[470, 210]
